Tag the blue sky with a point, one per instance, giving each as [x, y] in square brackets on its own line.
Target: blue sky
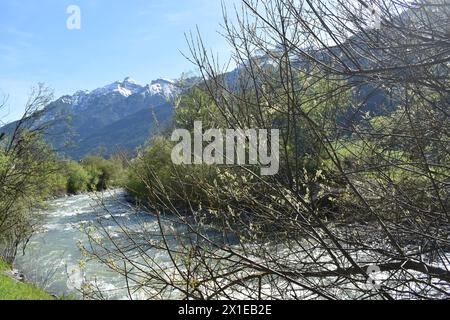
[137, 38]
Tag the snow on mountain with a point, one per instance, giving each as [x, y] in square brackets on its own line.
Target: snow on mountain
[129, 87]
[126, 88]
[82, 99]
[163, 87]
[114, 117]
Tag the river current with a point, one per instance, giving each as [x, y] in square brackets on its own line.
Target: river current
[52, 259]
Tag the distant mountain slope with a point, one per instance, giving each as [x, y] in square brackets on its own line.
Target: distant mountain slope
[126, 134]
[119, 116]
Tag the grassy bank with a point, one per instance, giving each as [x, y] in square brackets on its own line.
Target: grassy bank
[10, 289]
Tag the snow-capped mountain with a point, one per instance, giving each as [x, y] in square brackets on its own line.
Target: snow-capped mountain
[129, 87]
[121, 89]
[117, 117]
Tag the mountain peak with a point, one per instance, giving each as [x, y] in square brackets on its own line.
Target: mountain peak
[164, 80]
[130, 80]
[81, 100]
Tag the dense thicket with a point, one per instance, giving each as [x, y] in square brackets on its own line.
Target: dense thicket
[93, 173]
[359, 91]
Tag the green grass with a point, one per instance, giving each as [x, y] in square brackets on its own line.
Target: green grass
[13, 290]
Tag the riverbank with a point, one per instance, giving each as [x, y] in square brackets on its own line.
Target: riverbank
[13, 289]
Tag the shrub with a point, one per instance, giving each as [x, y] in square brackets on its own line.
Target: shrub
[103, 173]
[78, 178]
[152, 173]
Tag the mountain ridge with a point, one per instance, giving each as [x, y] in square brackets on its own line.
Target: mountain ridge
[87, 122]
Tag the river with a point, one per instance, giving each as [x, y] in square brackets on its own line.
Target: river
[53, 261]
[52, 257]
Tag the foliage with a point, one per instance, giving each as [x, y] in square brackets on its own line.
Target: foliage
[103, 173]
[153, 170]
[78, 179]
[28, 176]
[93, 174]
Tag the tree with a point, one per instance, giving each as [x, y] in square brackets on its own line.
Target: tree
[28, 174]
